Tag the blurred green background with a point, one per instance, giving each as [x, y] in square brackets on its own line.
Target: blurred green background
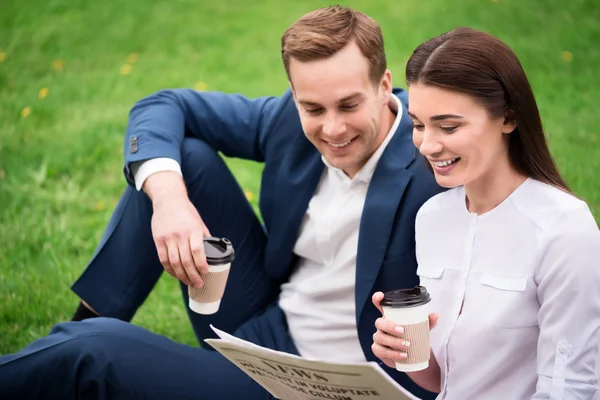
[71, 70]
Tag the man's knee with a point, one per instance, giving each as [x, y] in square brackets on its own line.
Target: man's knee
[199, 160]
[94, 328]
[96, 340]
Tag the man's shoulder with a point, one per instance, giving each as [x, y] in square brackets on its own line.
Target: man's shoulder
[268, 108]
[402, 94]
[284, 136]
[282, 115]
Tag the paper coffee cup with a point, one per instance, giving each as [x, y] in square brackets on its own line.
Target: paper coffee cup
[219, 255]
[409, 308]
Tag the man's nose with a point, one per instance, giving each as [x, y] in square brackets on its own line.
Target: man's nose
[333, 125]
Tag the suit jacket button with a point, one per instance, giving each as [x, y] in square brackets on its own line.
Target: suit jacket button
[133, 144]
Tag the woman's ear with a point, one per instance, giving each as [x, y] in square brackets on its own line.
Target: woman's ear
[510, 123]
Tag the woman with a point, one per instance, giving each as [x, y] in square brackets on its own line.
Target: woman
[509, 255]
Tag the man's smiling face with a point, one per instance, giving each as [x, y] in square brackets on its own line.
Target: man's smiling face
[340, 108]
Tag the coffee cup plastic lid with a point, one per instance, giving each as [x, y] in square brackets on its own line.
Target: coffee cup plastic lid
[218, 250]
[406, 297]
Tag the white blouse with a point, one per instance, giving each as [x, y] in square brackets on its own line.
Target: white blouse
[528, 272]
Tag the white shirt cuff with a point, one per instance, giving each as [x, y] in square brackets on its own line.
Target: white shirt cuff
[143, 169]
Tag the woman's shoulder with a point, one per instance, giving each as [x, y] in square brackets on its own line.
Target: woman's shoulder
[551, 208]
[567, 234]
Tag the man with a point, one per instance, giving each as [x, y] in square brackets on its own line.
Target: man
[341, 185]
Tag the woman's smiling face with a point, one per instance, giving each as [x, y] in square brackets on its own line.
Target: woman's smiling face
[457, 135]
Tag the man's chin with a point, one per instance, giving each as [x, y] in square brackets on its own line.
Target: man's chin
[336, 162]
[348, 168]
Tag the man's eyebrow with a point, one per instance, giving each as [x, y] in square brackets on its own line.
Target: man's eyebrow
[440, 117]
[309, 103]
[340, 101]
[349, 97]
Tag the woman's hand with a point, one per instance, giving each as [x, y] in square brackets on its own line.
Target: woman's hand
[387, 346]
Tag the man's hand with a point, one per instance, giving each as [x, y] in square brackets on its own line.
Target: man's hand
[177, 228]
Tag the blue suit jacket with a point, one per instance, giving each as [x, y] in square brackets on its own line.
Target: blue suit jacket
[268, 130]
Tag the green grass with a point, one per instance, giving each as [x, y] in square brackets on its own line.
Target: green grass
[60, 167]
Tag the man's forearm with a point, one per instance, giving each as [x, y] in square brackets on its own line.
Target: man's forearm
[165, 186]
[141, 170]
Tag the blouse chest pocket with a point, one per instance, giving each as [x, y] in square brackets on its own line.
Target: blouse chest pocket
[429, 271]
[430, 275]
[508, 302]
[438, 282]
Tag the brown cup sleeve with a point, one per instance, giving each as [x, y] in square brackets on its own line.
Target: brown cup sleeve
[213, 289]
[418, 337]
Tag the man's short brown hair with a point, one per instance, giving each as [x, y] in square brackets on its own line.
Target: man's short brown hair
[322, 33]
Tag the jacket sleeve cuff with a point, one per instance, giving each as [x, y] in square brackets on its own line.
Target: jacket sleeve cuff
[141, 170]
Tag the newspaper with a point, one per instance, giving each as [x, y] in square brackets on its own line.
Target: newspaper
[290, 377]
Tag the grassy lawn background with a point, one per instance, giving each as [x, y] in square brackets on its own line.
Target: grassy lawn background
[70, 70]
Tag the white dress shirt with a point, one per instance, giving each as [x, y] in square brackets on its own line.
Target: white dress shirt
[143, 169]
[319, 299]
[529, 274]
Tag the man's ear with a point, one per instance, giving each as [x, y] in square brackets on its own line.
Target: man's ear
[385, 85]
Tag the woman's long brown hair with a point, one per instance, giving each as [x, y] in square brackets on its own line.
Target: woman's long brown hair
[477, 64]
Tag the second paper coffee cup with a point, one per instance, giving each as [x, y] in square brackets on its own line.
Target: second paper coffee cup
[219, 255]
[409, 308]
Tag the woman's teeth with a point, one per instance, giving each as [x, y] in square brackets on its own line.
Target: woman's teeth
[442, 164]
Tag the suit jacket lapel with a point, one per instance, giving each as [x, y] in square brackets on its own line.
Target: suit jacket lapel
[383, 197]
[297, 180]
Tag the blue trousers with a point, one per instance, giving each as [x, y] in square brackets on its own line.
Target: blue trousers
[106, 358]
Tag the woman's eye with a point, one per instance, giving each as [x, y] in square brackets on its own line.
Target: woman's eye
[448, 129]
[419, 127]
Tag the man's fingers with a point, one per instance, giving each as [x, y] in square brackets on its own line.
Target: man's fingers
[187, 261]
[175, 262]
[163, 256]
[197, 251]
[205, 230]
